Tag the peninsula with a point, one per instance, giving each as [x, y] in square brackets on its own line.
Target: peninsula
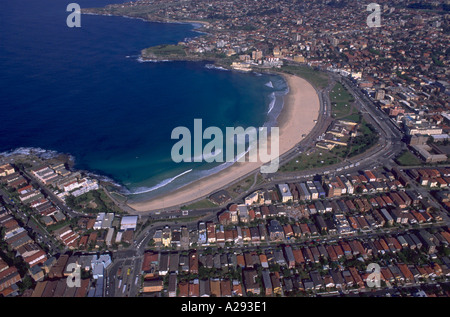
[301, 106]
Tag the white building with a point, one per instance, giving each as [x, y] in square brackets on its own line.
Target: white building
[286, 194]
[99, 264]
[108, 220]
[128, 222]
[99, 221]
[252, 199]
[109, 237]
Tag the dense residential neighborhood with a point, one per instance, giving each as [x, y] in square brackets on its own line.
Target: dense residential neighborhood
[321, 245]
[316, 237]
[359, 208]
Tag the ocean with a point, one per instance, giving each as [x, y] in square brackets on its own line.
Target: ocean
[84, 92]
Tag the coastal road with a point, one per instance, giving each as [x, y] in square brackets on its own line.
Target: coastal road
[388, 147]
[321, 125]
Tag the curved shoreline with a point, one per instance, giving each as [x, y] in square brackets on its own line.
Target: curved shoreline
[138, 194]
[297, 118]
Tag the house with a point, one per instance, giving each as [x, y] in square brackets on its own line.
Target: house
[267, 283]
[356, 277]
[279, 257]
[288, 232]
[243, 213]
[214, 285]
[237, 288]
[307, 255]
[240, 260]
[262, 232]
[289, 255]
[254, 234]
[224, 218]
[316, 279]
[348, 279]
[153, 285]
[320, 189]
[298, 255]
[8, 277]
[288, 285]
[253, 198]
[166, 237]
[204, 287]
[275, 230]
[337, 278]
[225, 288]
[313, 190]
[250, 279]
[387, 217]
[194, 288]
[6, 169]
[263, 261]
[248, 260]
[328, 281]
[315, 253]
[246, 234]
[211, 232]
[285, 193]
[57, 270]
[149, 264]
[220, 234]
[322, 226]
[304, 193]
[163, 263]
[276, 283]
[428, 241]
[320, 208]
[172, 288]
[233, 209]
[408, 276]
[36, 273]
[331, 253]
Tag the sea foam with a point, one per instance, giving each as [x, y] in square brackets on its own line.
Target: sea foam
[143, 190]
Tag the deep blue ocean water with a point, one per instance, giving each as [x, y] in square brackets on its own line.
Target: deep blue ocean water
[82, 91]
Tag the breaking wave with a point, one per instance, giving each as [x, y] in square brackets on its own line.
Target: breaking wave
[143, 190]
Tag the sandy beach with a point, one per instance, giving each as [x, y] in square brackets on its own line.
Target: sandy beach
[300, 110]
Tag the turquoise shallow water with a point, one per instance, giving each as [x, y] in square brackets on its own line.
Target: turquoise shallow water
[82, 91]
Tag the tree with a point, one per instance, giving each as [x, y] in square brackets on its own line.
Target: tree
[71, 202]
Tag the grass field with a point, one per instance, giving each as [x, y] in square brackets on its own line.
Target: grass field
[342, 103]
[201, 204]
[316, 78]
[164, 51]
[240, 187]
[408, 159]
[318, 158]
